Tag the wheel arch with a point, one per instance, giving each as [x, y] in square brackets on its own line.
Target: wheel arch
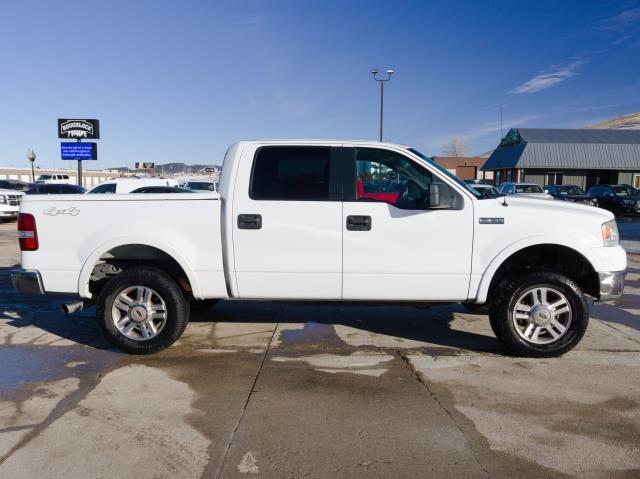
[153, 248]
[571, 251]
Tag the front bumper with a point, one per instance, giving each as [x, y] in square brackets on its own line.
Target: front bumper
[611, 284]
[27, 281]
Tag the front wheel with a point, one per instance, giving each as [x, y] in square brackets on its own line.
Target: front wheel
[543, 314]
[142, 310]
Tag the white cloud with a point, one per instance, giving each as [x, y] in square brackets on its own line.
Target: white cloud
[549, 78]
[622, 20]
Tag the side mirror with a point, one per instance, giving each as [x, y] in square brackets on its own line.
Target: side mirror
[440, 197]
[547, 191]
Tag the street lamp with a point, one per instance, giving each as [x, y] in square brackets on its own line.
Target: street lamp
[382, 81]
[31, 156]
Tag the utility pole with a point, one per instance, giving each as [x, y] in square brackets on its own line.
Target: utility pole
[382, 81]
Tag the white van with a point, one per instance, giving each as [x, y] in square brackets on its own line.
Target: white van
[56, 179]
[127, 185]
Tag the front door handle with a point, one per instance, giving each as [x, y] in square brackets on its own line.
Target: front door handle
[358, 223]
[249, 222]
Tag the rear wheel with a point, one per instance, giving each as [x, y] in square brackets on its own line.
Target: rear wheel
[142, 310]
[543, 314]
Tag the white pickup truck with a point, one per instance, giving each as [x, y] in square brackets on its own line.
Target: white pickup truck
[9, 204]
[323, 220]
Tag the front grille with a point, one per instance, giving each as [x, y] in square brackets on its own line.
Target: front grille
[14, 200]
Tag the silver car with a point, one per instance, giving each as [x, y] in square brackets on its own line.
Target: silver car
[531, 190]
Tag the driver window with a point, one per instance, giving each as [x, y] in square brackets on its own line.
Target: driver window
[388, 177]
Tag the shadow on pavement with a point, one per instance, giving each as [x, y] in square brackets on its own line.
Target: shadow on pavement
[426, 325]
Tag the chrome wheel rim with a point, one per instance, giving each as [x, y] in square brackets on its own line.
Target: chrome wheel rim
[542, 315]
[139, 313]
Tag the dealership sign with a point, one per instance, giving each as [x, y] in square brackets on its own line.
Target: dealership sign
[79, 151]
[511, 138]
[78, 129]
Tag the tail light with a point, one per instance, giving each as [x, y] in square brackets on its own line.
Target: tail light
[27, 232]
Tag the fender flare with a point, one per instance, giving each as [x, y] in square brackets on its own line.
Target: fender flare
[92, 259]
[506, 253]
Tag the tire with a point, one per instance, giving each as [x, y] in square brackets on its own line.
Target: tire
[203, 304]
[555, 323]
[156, 318]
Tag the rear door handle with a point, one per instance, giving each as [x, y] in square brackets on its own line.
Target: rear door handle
[249, 222]
[358, 223]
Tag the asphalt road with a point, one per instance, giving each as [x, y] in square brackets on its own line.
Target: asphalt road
[292, 390]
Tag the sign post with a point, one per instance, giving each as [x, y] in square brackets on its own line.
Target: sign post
[79, 170]
[79, 129]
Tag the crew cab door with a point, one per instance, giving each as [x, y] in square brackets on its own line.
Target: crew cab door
[287, 214]
[407, 233]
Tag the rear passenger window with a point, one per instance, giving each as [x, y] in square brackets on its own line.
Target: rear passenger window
[291, 173]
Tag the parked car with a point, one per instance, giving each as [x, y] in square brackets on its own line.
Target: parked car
[290, 223]
[200, 185]
[571, 193]
[619, 199]
[162, 189]
[15, 185]
[61, 189]
[487, 191]
[9, 203]
[524, 189]
[55, 179]
[630, 189]
[127, 185]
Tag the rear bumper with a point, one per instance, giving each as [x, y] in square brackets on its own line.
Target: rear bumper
[27, 281]
[611, 284]
[8, 211]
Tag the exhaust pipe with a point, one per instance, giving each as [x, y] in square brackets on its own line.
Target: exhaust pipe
[74, 306]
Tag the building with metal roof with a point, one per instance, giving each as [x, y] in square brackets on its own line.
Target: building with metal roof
[582, 157]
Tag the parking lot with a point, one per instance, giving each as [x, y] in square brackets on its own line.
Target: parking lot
[294, 390]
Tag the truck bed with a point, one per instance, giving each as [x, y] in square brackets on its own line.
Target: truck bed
[76, 232]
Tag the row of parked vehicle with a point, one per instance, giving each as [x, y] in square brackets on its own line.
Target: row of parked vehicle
[619, 199]
[11, 191]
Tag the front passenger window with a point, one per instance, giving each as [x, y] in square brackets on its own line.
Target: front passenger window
[389, 177]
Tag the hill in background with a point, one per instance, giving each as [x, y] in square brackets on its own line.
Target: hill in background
[630, 121]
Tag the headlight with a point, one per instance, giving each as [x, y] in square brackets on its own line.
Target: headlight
[3, 199]
[610, 236]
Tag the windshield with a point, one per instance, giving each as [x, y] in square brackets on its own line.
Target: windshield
[486, 191]
[570, 190]
[623, 190]
[446, 172]
[528, 189]
[200, 185]
[44, 177]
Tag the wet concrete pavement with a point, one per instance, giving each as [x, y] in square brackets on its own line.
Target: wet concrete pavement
[293, 390]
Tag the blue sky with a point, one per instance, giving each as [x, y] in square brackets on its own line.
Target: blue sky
[180, 81]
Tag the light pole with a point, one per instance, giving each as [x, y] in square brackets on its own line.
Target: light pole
[382, 81]
[31, 156]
